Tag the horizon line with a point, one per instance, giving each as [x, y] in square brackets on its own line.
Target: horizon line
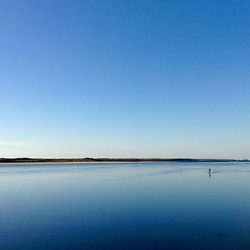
[115, 159]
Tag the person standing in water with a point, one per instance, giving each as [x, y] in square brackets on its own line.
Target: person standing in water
[209, 172]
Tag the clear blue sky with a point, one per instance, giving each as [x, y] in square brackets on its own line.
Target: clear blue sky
[114, 78]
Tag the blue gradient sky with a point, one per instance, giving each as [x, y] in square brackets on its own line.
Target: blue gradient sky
[125, 78]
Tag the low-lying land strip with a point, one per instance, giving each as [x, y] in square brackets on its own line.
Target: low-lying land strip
[110, 160]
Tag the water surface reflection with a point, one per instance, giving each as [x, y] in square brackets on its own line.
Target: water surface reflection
[125, 206]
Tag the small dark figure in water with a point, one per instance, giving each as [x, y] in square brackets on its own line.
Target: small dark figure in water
[209, 172]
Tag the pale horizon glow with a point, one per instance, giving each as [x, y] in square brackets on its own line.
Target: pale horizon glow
[142, 79]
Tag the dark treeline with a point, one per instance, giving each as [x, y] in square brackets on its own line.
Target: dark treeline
[37, 160]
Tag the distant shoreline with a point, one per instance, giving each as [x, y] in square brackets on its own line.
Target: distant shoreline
[106, 160]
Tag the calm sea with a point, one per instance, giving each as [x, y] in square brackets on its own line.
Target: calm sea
[125, 206]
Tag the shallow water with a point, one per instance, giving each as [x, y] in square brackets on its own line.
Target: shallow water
[125, 206]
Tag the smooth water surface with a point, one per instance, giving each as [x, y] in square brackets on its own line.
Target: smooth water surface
[125, 206]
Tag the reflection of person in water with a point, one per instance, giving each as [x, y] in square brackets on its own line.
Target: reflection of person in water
[209, 172]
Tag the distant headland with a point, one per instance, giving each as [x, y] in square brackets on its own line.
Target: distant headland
[111, 160]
